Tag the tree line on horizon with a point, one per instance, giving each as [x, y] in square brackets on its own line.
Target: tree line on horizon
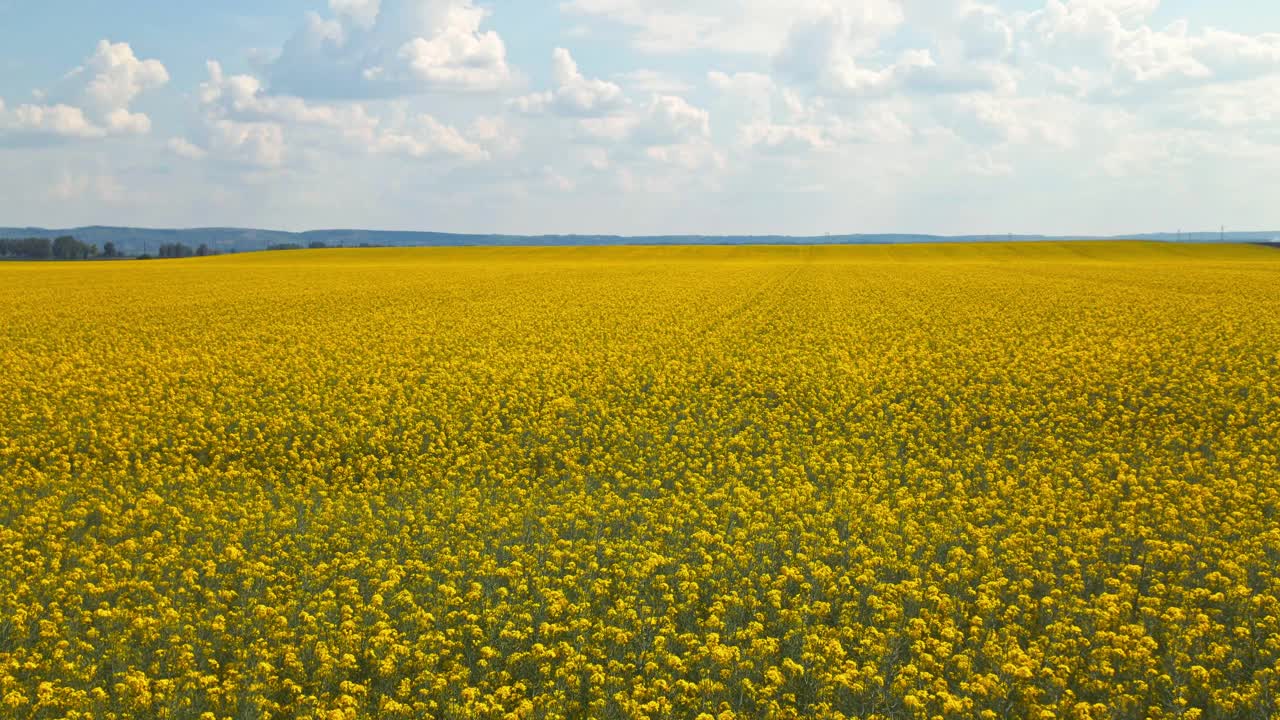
[181, 250]
[64, 247]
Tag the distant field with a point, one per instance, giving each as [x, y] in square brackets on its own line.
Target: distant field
[1022, 480]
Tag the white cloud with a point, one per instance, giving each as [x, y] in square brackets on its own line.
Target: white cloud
[363, 13]
[92, 102]
[186, 149]
[634, 145]
[1252, 106]
[784, 139]
[652, 82]
[532, 104]
[687, 156]
[666, 120]
[749, 27]
[257, 144]
[671, 120]
[611, 129]
[778, 121]
[372, 49]
[242, 97]
[424, 137]
[458, 58]
[830, 52]
[33, 122]
[250, 125]
[1104, 49]
[495, 135]
[121, 121]
[1234, 56]
[116, 77]
[984, 32]
[574, 95]
[992, 120]
[752, 92]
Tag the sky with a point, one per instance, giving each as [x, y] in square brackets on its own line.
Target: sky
[643, 116]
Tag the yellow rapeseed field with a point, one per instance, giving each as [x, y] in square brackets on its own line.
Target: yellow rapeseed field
[980, 481]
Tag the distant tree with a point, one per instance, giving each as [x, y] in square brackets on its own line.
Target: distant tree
[284, 246]
[318, 245]
[109, 250]
[37, 248]
[69, 248]
[175, 250]
[64, 247]
[203, 250]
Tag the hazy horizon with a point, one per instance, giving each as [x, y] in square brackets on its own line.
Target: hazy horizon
[1228, 233]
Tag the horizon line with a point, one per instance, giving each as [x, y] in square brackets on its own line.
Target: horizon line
[965, 235]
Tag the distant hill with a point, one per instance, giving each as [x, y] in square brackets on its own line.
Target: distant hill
[135, 241]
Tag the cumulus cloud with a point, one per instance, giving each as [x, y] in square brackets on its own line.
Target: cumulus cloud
[752, 92]
[33, 122]
[603, 113]
[665, 120]
[983, 32]
[256, 144]
[688, 156]
[780, 122]
[115, 77]
[423, 137]
[773, 119]
[830, 53]
[495, 135]
[574, 95]
[784, 139]
[1105, 49]
[991, 120]
[749, 27]
[185, 149]
[92, 101]
[391, 48]
[671, 120]
[250, 125]
[243, 97]
[633, 143]
[121, 121]
[653, 82]
[363, 13]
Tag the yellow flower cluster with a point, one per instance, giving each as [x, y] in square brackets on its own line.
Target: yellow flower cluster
[1033, 481]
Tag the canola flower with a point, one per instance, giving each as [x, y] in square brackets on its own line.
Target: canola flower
[1034, 481]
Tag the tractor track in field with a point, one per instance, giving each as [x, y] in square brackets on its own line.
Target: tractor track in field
[753, 304]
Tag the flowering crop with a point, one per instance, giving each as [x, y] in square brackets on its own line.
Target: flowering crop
[1033, 481]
